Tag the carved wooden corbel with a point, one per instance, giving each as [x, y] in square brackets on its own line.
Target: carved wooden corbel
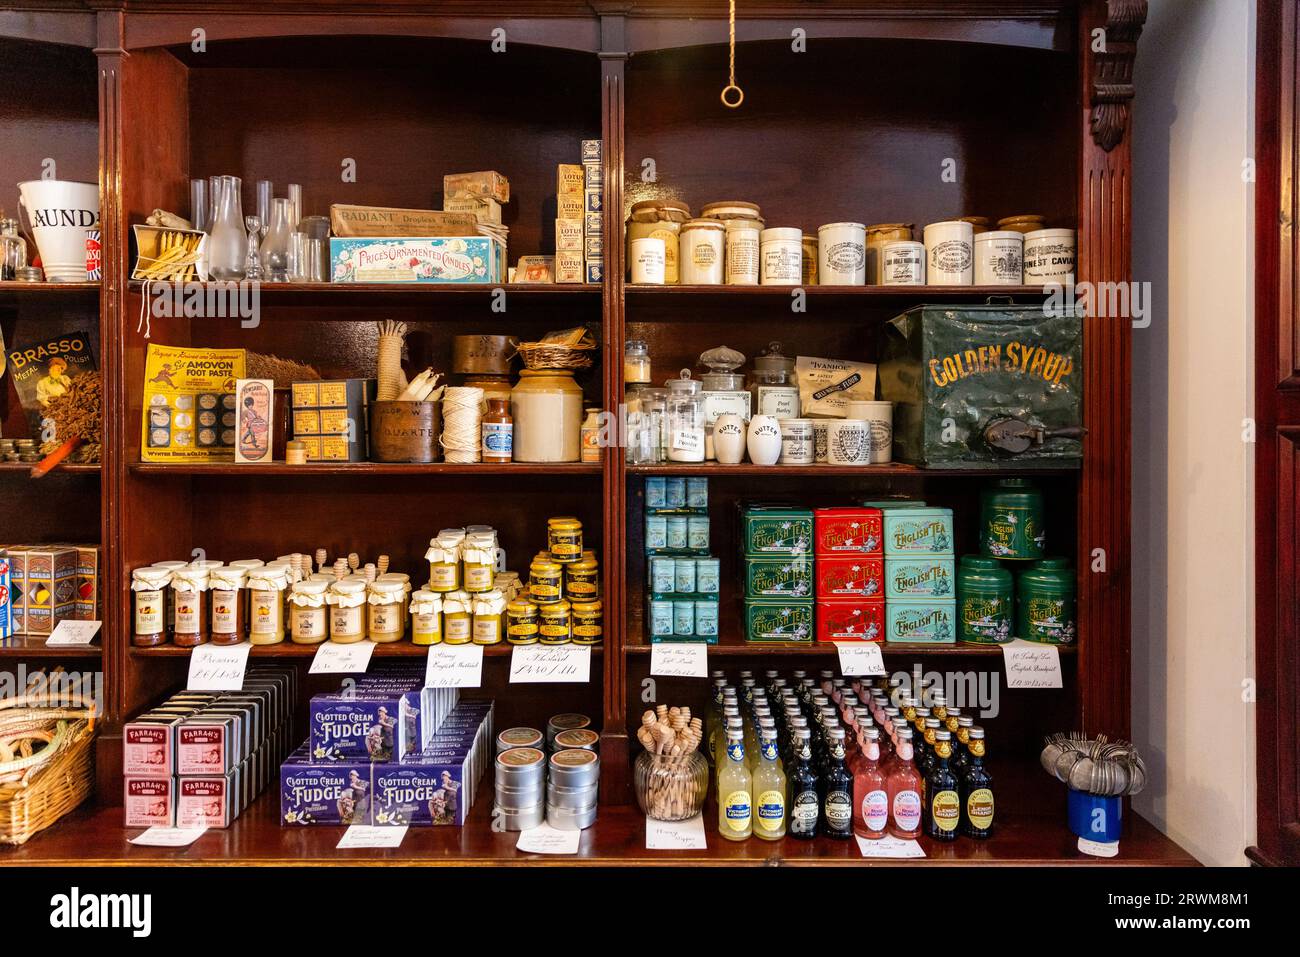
[1112, 71]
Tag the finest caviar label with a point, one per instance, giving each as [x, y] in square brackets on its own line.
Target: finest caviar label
[736, 810]
[771, 810]
[979, 808]
[946, 810]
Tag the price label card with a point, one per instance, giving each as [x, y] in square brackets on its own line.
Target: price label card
[73, 633]
[349, 659]
[168, 837]
[889, 847]
[545, 839]
[686, 440]
[685, 660]
[454, 666]
[860, 658]
[1099, 848]
[365, 835]
[675, 835]
[1030, 664]
[218, 667]
[541, 664]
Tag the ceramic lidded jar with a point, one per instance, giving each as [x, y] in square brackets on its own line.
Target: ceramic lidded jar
[729, 439]
[764, 440]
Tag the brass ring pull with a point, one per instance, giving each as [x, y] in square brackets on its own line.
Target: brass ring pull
[739, 95]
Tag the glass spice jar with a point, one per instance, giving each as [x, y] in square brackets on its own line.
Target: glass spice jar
[347, 599]
[489, 611]
[386, 605]
[772, 384]
[564, 539]
[426, 618]
[189, 592]
[457, 618]
[227, 605]
[545, 582]
[308, 616]
[685, 419]
[266, 591]
[636, 362]
[555, 626]
[444, 560]
[588, 622]
[522, 622]
[149, 587]
[13, 250]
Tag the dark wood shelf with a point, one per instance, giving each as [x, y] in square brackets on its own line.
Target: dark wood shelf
[287, 649]
[888, 470]
[886, 294]
[366, 468]
[12, 289]
[1031, 830]
[65, 468]
[734, 646]
[33, 646]
[328, 294]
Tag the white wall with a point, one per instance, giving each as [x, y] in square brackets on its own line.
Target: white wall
[1193, 505]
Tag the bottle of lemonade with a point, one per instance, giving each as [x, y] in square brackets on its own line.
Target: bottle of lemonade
[769, 790]
[870, 799]
[735, 804]
[903, 786]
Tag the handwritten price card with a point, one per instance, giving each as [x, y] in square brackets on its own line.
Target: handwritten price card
[860, 658]
[1031, 665]
[543, 664]
[218, 667]
[686, 660]
[454, 666]
[348, 659]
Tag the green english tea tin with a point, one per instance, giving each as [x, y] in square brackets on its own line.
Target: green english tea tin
[776, 531]
[1046, 604]
[919, 578]
[789, 577]
[768, 620]
[984, 601]
[929, 622]
[1011, 520]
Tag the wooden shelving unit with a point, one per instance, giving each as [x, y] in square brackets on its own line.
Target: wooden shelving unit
[289, 95]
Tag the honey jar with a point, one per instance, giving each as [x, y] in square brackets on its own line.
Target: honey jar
[489, 611]
[588, 622]
[426, 618]
[308, 616]
[457, 618]
[581, 581]
[387, 611]
[555, 627]
[444, 560]
[266, 590]
[522, 622]
[347, 600]
[544, 581]
[564, 537]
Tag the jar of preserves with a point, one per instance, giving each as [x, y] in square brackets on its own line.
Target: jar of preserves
[877, 237]
[443, 557]
[227, 605]
[457, 618]
[581, 580]
[588, 622]
[545, 582]
[149, 588]
[308, 616]
[547, 409]
[564, 538]
[478, 560]
[489, 613]
[772, 384]
[426, 618]
[189, 593]
[659, 219]
[266, 591]
[522, 621]
[555, 623]
[347, 603]
[703, 252]
[984, 605]
[387, 611]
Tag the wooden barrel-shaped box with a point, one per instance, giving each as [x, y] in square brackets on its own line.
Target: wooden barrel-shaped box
[405, 431]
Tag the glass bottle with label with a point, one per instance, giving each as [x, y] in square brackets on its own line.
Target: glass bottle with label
[977, 791]
[837, 789]
[870, 799]
[443, 557]
[426, 617]
[457, 618]
[735, 790]
[13, 250]
[266, 590]
[189, 592]
[769, 790]
[591, 435]
[805, 804]
[724, 387]
[772, 384]
[943, 803]
[498, 431]
[386, 619]
[226, 585]
[685, 419]
[149, 587]
[903, 786]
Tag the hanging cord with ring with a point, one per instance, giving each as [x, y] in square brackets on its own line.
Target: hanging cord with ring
[731, 89]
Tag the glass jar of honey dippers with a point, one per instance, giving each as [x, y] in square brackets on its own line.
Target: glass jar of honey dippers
[426, 617]
[444, 560]
[489, 614]
[478, 561]
[522, 621]
[457, 618]
[580, 580]
[189, 592]
[227, 605]
[386, 603]
[308, 616]
[556, 623]
[149, 587]
[564, 538]
[588, 622]
[347, 604]
[266, 591]
[544, 581]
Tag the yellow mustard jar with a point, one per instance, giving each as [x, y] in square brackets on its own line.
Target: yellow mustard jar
[457, 618]
[521, 622]
[555, 626]
[489, 611]
[426, 618]
[580, 580]
[588, 622]
[478, 562]
[564, 537]
[444, 560]
[544, 582]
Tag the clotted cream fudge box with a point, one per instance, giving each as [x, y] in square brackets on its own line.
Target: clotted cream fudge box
[430, 792]
[315, 792]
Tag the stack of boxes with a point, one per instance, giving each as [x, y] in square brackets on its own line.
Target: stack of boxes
[920, 573]
[579, 203]
[42, 585]
[850, 579]
[200, 758]
[483, 194]
[682, 578]
[388, 751]
[777, 554]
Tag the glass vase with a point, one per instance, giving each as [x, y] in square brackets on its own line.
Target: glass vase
[226, 239]
[275, 247]
[671, 788]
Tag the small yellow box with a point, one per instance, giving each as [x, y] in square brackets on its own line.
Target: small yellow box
[569, 266]
[570, 179]
[306, 422]
[568, 235]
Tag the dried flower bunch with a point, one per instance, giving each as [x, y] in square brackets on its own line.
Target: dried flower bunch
[77, 413]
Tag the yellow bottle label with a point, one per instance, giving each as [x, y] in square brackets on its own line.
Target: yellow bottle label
[979, 808]
[946, 808]
[736, 810]
[771, 810]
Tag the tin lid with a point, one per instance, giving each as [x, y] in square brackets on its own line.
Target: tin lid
[575, 766]
[544, 565]
[521, 606]
[521, 761]
[520, 738]
[587, 608]
[1049, 575]
[583, 565]
[563, 522]
[782, 234]
[566, 722]
[28, 274]
[555, 609]
[581, 738]
[978, 570]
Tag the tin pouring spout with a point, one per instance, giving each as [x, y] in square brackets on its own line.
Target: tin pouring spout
[1011, 436]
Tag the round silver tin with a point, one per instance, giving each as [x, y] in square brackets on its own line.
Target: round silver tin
[574, 768]
[565, 820]
[518, 738]
[521, 820]
[573, 799]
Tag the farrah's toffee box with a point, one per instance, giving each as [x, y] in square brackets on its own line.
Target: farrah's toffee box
[209, 800]
[149, 802]
[149, 745]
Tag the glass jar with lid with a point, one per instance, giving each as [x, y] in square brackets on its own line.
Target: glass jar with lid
[489, 610]
[308, 616]
[636, 362]
[564, 538]
[227, 608]
[545, 580]
[685, 419]
[443, 557]
[266, 591]
[478, 559]
[773, 385]
[645, 426]
[658, 219]
[13, 250]
[189, 593]
[724, 389]
[457, 618]
[426, 617]
[347, 603]
[149, 587]
[386, 603]
[877, 236]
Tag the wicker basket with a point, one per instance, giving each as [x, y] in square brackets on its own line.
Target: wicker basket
[548, 355]
[39, 788]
